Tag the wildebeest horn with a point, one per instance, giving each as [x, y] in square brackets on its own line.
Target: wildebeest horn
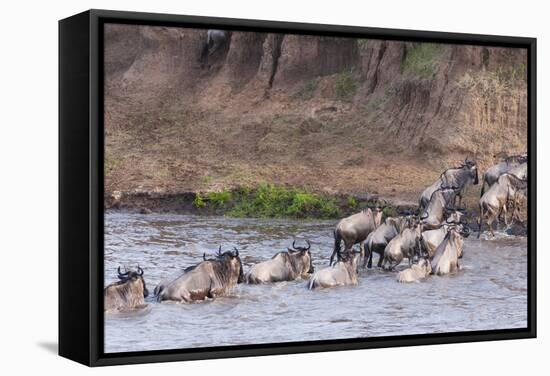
[236, 251]
[219, 251]
[204, 256]
[139, 271]
[308, 245]
[120, 274]
[294, 244]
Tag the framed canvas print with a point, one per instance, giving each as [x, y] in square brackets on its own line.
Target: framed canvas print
[237, 187]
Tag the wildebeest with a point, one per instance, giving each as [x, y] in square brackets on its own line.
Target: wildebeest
[458, 177]
[379, 238]
[355, 229]
[416, 272]
[127, 293]
[215, 39]
[492, 174]
[431, 239]
[439, 207]
[343, 272]
[496, 199]
[447, 254]
[208, 279]
[406, 244]
[284, 266]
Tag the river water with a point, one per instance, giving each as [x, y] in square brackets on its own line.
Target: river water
[490, 292]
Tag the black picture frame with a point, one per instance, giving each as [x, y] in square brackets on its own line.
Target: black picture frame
[81, 187]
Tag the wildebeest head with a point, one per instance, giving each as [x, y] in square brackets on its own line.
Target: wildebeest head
[425, 264]
[454, 215]
[232, 259]
[472, 169]
[454, 233]
[378, 212]
[303, 254]
[350, 257]
[133, 277]
[519, 159]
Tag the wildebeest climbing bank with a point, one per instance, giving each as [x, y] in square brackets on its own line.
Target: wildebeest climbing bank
[269, 188]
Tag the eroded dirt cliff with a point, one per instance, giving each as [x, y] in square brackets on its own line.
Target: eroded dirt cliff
[332, 115]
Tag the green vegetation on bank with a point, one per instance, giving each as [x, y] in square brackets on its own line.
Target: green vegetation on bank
[271, 201]
[421, 61]
[346, 84]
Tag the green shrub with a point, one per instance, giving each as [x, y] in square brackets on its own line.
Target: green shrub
[346, 84]
[363, 44]
[329, 209]
[308, 90]
[352, 202]
[389, 211]
[218, 199]
[198, 202]
[271, 201]
[421, 61]
[304, 205]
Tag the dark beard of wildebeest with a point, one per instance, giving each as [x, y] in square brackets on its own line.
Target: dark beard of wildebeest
[440, 207]
[355, 229]
[459, 177]
[447, 254]
[343, 272]
[496, 199]
[283, 266]
[208, 279]
[492, 174]
[127, 293]
[378, 239]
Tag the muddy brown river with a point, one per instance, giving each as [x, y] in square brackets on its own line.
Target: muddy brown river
[490, 292]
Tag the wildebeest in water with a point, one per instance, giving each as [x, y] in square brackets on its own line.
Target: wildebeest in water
[378, 239]
[492, 174]
[355, 229]
[416, 272]
[406, 244]
[495, 200]
[440, 206]
[284, 266]
[343, 272]
[127, 293]
[208, 279]
[447, 254]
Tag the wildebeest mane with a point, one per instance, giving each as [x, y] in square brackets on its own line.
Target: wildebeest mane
[516, 181]
[293, 262]
[222, 266]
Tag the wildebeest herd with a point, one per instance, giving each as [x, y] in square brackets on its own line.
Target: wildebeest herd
[431, 239]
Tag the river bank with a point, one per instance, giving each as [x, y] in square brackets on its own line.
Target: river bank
[272, 201]
[264, 201]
